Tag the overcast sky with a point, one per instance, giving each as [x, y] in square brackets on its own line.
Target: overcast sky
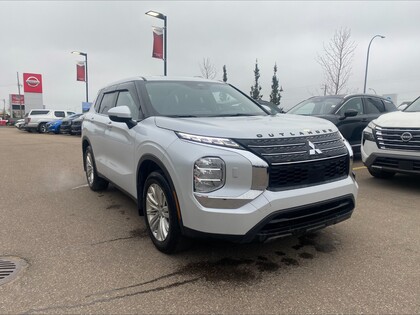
[38, 36]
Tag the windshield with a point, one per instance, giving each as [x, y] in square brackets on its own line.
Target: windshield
[414, 107]
[316, 106]
[199, 99]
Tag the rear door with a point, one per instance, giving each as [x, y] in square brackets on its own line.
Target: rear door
[98, 122]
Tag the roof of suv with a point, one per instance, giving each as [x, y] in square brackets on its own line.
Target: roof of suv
[164, 78]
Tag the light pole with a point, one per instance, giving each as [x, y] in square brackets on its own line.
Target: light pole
[86, 71]
[165, 30]
[367, 60]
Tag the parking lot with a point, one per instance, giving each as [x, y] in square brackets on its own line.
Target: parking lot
[87, 252]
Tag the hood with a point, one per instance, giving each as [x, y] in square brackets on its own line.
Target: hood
[399, 119]
[248, 127]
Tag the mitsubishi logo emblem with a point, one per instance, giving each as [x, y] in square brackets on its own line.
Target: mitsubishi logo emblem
[312, 149]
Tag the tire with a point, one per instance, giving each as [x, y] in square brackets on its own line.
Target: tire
[42, 128]
[95, 182]
[160, 214]
[380, 174]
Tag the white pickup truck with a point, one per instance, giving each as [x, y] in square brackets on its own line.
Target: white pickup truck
[37, 119]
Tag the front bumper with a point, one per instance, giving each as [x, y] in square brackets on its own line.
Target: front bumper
[399, 161]
[295, 221]
[276, 214]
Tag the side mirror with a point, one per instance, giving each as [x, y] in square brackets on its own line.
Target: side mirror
[122, 114]
[349, 113]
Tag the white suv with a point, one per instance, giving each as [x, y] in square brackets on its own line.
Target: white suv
[391, 143]
[37, 119]
[202, 159]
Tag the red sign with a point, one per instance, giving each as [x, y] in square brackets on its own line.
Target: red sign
[157, 43]
[32, 83]
[80, 71]
[15, 100]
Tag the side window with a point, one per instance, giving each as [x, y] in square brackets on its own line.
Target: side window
[354, 103]
[70, 113]
[125, 99]
[107, 103]
[58, 113]
[374, 106]
[97, 102]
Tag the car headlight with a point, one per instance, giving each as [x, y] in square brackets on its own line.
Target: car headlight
[368, 135]
[372, 125]
[208, 174]
[224, 142]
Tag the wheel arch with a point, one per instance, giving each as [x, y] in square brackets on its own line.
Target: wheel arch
[85, 144]
[148, 164]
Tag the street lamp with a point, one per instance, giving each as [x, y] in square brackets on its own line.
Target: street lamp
[86, 71]
[164, 18]
[367, 60]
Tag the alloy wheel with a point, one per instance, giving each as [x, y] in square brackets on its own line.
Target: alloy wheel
[157, 212]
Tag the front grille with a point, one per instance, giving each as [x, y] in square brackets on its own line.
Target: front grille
[309, 173]
[398, 138]
[77, 123]
[301, 161]
[397, 163]
[297, 221]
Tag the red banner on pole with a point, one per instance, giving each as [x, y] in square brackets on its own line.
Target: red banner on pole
[157, 43]
[80, 71]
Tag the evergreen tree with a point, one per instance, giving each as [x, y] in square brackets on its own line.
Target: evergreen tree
[224, 74]
[256, 88]
[275, 92]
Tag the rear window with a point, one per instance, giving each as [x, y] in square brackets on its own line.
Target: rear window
[59, 114]
[39, 112]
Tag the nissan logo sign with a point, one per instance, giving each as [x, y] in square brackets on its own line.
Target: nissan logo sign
[32, 81]
[406, 136]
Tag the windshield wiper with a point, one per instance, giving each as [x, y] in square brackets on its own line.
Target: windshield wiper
[234, 115]
[182, 116]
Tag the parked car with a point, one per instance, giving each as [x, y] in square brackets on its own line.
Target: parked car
[76, 126]
[37, 119]
[67, 123]
[20, 123]
[202, 159]
[350, 113]
[391, 143]
[3, 122]
[54, 126]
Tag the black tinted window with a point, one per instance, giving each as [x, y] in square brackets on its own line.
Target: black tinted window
[107, 103]
[374, 106]
[39, 112]
[355, 103]
[59, 113]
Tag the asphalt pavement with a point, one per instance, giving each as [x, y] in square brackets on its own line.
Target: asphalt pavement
[88, 252]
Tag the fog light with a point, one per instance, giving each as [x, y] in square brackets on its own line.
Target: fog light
[209, 174]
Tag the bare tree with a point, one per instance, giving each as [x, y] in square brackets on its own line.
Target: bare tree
[208, 70]
[336, 61]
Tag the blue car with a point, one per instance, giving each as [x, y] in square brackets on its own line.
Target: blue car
[54, 126]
